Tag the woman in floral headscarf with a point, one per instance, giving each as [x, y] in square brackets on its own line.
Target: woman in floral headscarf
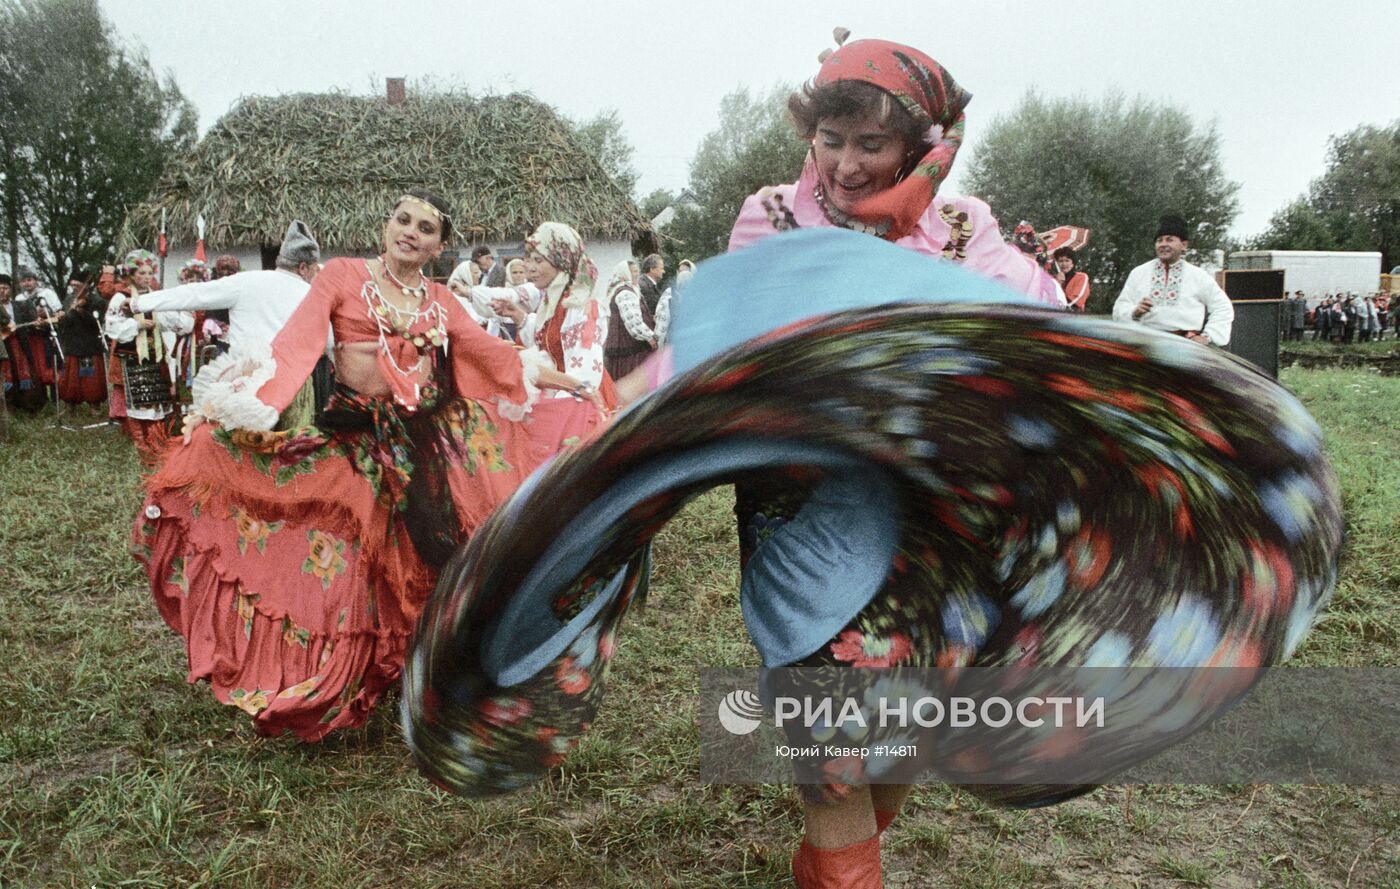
[147, 350]
[885, 122]
[563, 313]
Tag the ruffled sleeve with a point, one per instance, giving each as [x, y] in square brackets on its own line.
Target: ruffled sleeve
[225, 390]
[120, 327]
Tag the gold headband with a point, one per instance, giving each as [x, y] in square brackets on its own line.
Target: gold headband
[437, 214]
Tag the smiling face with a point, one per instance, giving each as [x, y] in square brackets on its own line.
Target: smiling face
[412, 235]
[857, 156]
[539, 271]
[1170, 248]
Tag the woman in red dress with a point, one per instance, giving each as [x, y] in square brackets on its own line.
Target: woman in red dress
[295, 562]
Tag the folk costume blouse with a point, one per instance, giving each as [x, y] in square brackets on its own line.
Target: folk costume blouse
[345, 299]
[164, 342]
[961, 229]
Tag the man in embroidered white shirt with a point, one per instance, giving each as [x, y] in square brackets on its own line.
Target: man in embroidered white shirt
[1171, 294]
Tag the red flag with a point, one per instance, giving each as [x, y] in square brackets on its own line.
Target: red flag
[161, 249]
[199, 251]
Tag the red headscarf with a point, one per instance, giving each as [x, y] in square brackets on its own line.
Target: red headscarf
[934, 99]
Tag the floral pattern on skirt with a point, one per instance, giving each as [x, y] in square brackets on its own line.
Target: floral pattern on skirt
[1073, 492]
[293, 562]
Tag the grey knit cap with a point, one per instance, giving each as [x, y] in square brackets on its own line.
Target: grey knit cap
[299, 246]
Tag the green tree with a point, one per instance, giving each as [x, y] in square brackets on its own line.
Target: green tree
[753, 146]
[86, 127]
[602, 135]
[1114, 166]
[657, 201]
[1353, 205]
[1359, 194]
[1298, 226]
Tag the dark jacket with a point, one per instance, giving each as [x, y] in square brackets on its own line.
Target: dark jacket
[78, 331]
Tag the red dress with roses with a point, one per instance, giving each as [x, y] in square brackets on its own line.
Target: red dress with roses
[295, 563]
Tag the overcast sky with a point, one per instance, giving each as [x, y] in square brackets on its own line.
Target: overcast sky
[1277, 77]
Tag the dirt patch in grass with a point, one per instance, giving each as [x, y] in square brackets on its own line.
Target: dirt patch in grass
[1386, 363]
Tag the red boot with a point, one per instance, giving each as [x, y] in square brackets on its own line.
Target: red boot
[849, 867]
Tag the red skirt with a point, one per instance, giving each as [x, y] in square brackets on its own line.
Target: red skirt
[84, 380]
[36, 353]
[292, 562]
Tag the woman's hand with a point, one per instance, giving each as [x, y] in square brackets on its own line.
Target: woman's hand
[192, 422]
[589, 393]
[507, 309]
[550, 378]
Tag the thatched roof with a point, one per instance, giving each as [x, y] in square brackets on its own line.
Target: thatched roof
[505, 163]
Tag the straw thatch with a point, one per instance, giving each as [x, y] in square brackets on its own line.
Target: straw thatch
[505, 164]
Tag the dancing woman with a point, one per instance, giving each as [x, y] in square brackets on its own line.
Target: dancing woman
[885, 122]
[295, 562]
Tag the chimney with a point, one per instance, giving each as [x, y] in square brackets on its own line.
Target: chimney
[394, 89]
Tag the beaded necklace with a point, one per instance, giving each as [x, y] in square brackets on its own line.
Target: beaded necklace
[845, 220]
[392, 320]
[419, 292]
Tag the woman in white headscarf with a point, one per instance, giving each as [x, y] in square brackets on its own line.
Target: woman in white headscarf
[561, 312]
[633, 334]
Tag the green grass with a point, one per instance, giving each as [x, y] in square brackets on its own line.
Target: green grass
[1311, 346]
[119, 773]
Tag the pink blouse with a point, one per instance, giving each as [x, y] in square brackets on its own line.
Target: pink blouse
[958, 228]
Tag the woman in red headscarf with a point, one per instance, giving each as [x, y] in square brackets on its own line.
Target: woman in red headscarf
[885, 122]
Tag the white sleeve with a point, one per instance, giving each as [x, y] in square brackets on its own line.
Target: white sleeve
[1220, 312]
[1127, 300]
[482, 296]
[120, 328]
[629, 306]
[663, 317]
[583, 334]
[220, 294]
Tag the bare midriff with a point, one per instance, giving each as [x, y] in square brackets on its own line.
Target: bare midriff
[357, 366]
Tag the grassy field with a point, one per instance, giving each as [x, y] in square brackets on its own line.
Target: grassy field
[120, 774]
